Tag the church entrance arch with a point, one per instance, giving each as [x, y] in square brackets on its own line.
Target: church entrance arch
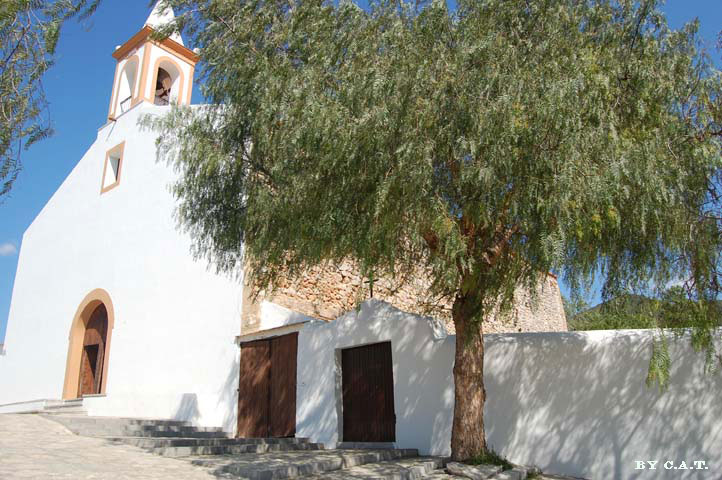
[86, 371]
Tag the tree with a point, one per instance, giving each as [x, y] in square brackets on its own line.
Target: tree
[486, 144]
[29, 30]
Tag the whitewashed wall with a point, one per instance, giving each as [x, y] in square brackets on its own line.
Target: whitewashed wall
[423, 383]
[577, 403]
[570, 403]
[172, 350]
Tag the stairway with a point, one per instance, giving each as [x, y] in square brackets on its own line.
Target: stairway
[176, 438]
[64, 407]
[253, 458]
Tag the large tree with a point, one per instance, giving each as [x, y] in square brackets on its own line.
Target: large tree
[486, 144]
[29, 33]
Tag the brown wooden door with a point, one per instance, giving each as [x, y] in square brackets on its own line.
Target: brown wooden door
[267, 388]
[253, 389]
[282, 401]
[368, 394]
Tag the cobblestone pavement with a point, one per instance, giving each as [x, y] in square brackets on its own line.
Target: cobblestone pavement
[32, 447]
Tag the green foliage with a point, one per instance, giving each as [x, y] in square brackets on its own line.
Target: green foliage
[659, 363]
[490, 457]
[29, 30]
[611, 321]
[626, 311]
[490, 143]
[486, 144]
[573, 307]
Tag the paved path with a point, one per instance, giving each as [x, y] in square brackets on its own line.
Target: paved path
[32, 447]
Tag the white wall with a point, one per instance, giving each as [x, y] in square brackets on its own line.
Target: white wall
[423, 383]
[570, 403]
[172, 350]
[577, 403]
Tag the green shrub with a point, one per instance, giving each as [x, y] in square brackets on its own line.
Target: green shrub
[490, 457]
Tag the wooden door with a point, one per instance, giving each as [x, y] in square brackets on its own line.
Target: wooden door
[267, 388]
[282, 401]
[88, 370]
[368, 394]
[253, 389]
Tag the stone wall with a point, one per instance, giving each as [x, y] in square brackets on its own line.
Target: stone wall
[328, 291]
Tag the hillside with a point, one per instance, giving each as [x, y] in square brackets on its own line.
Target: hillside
[637, 311]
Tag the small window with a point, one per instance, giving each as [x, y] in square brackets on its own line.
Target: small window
[112, 168]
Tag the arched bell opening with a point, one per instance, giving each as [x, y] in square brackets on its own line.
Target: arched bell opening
[168, 85]
[127, 86]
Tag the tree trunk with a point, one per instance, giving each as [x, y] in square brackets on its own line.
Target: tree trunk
[467, 433]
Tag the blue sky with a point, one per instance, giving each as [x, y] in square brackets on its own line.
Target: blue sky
[78, 89]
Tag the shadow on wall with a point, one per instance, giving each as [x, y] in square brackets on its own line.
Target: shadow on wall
[223, 413]
[228, 396]
[577, 404]
[187, 409]
[570, 403]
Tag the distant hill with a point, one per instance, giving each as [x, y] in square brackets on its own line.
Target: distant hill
[637, 311]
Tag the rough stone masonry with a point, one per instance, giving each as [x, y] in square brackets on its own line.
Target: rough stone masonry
[328, 291]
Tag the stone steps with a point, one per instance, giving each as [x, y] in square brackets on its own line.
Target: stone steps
[283, 465]
[404, 469]
[184, 447]
[122, 421]
[233, 449]
[145, 442]
[64, 407]
[124, 427]
[484, 472]
[257, 458]
[443, 475]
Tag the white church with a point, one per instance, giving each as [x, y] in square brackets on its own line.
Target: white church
[112, 317]
[128, 321]
[131, 325]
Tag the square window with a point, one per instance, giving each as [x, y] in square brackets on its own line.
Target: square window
[113, 167]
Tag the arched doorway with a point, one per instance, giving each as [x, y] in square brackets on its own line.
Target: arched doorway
[86, 370]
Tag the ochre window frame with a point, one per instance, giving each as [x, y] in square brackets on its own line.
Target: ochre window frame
[116, 151]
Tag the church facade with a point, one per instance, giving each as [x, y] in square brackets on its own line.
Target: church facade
[110, 307]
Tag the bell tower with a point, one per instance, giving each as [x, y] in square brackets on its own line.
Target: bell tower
[157, 72]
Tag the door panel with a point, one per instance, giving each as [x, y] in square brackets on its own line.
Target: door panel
[283, 386]
[88, 370]
[254, 390]
[368, 394]
[93, 354]
[267, 388]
